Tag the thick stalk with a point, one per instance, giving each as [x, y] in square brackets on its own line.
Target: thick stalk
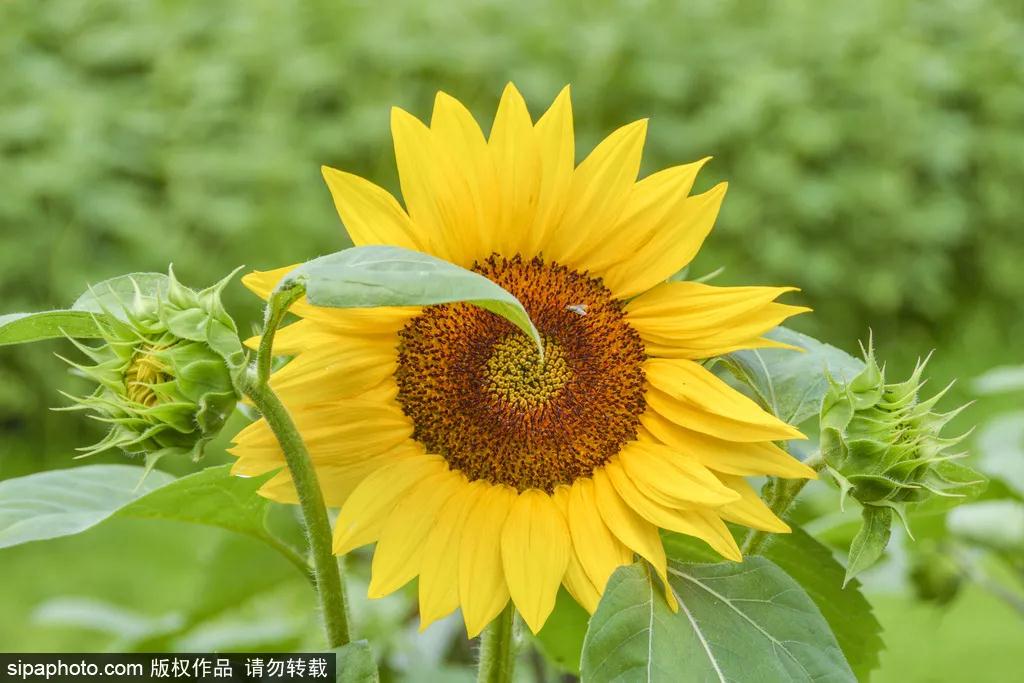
[498, 649]
[780, 498]
[314, 512]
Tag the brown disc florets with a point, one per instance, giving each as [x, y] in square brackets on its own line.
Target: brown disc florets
[481, 396]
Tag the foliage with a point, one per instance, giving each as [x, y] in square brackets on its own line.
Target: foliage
[874, 154]
[872, 149]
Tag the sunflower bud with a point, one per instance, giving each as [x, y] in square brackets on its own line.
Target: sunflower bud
[164, 371]
[881, 443]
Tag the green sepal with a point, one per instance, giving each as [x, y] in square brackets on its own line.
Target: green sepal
[166, 368]
[870, 541]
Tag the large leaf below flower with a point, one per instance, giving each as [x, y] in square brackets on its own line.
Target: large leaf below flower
[812, 565]
[366, 277]
[791, 384]
[65, 502]
[736, 622]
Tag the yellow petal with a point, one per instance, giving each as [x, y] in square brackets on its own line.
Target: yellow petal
[576, 580]
[513, 146]
[671, 478]
[343, 368]
[694, 309]
[483, 592]
[652, 207]
[470, 171]
[750, 510]
[718, 348]
[692, 396]
[634, 531]
[597, 196]
[535, 550]
[439, 566]
[556, 149]
[344, 430]
[366, 510]
[436, 202]
[599, 551]
[399, 551]
[698, 521]
[336, 481]
[668, 251]
[299, 336]
[370, 214]
[759, 458]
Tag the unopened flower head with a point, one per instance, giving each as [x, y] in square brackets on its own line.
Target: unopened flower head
[163, 370]
[882, 441]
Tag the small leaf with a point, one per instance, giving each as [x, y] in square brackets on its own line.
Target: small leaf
[736, 622]
[364, 277]
[561, 639]
[792, 384]
[870, 541]
[355, 663]
[18, 328]
[114, 294]
[65, 502]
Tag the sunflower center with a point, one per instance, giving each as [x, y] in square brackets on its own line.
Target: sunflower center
[517, 375]
[480, 395]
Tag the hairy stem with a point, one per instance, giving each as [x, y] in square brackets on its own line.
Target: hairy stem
[326, 568]
[780, 497]
[498, 649]
[277, 307]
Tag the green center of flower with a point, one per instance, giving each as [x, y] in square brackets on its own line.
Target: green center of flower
[479, 394]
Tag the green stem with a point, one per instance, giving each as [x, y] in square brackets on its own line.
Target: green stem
[327, 571]
[278, 305]
[498, 649]
[780, 497]
[314, 512]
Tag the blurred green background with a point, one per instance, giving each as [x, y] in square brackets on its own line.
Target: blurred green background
[875, 152]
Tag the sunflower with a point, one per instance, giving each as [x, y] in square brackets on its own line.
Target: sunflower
[489, 472]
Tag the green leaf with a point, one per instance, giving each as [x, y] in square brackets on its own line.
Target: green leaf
[65, 502]
[847, 611]
[561, 639]
[870, 541]
[18, 328]
[355, 663]
[736, 622]
[789, 383]
[111, 296]
[212, 497]
[365, 277]
[812, 565]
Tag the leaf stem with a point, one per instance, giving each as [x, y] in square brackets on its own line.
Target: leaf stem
[498, 649]
[780, 497]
